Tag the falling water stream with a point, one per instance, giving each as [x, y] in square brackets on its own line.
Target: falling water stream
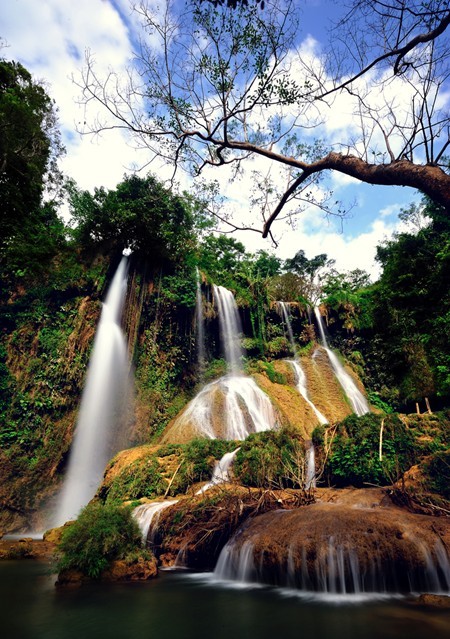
[356, 398]
[301, 387]
[102, 403]
[284, 311]
[221, 472]
[244, 407]
[147, 516]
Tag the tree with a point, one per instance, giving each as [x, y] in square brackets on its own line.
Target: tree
[140, 214]
[219, 87]
[29, 148]
[411, 307]
[221, 257]
[347, 295]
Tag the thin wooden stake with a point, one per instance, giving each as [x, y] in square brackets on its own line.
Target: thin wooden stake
[381, 440]
[170, 482]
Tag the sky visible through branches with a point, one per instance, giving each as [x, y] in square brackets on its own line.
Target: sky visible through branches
[51, 38]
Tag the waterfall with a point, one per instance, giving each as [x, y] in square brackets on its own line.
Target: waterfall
[356, 398]
[104, 397]
[230, 327]
[236, 565]
[244, 409]
[284, 308]
[233, 406]
[331, 568]
[147, 517]
[221, 472]
[301, 387]
[200, 326]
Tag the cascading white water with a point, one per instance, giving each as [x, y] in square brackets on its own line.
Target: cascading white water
[221, 472]
[235, 565]
[301, 387]
[200, 326]
[147, 516]
[356, 398]
[284, 311]
[230, 328]
[102, 403]
[245, 407]
[333, 568]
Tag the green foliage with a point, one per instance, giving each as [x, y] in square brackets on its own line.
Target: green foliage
[272, 459]
[30, 231]
[221, 257]
[347, 294]
[375, 399]
[412, 307]
[354, 457]
[278, 347]
[401, 323]
[198, 458]
[140, 214]
[274, 376]
[437, 470]
[148, 477]
[141, 478]
[215, 369]
[101, 534]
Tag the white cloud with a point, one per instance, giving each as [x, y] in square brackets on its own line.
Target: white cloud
[50, 39]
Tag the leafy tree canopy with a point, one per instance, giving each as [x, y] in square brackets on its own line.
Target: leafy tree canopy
[224, 87]
[139, 214]
[29, 148]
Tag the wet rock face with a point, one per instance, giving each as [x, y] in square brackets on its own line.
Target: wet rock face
[342, 549]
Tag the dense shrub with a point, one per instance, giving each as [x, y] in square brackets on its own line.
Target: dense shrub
[197, 461]
[271, 459]
[101, 534]
[354, 457]
[437, 469]
[142, 478]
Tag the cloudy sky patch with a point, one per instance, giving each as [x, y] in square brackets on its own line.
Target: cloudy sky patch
[51, 38]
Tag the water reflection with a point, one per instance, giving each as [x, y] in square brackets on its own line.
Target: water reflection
[178, 606]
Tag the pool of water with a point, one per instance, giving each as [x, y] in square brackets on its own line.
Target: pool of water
[186, 606]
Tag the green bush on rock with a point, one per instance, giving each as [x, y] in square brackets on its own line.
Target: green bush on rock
[100, 535]
[354, 456]
[271, 459]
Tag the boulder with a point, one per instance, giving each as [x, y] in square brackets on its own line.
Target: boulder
[341, 548]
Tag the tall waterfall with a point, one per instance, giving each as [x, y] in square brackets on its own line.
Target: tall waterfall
[284, 311]
[356, 398]
[232, 406]
[200, 326]
[102, 405]
[230, 328]
[301, 387]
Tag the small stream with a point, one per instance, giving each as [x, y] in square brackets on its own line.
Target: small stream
[188, 606]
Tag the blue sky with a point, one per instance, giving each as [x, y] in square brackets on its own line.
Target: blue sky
[50, 38]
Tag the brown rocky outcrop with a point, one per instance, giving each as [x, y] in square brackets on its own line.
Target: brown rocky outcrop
[344, 547]
[193, 531]
[141, 569]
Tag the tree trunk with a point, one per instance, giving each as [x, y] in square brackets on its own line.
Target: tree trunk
[417, 408]
[428, 406]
